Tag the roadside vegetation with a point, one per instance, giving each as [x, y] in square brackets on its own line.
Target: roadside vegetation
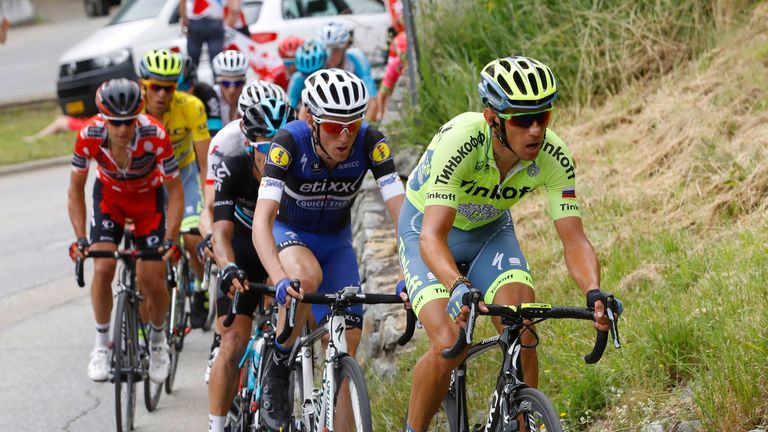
[19, 122]
[664, 106]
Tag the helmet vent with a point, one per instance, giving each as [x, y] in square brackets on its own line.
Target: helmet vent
[523, 64]
[534, 84]
[489, 70]
[506, 65]
[543, 78]
[519, 83]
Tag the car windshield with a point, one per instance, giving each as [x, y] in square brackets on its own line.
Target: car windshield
[134, 10]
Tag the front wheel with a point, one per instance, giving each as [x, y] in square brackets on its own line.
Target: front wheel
[124, 363]
[536, 410]
[349, 376]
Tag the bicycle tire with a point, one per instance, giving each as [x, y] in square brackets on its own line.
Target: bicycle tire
[538, 408]
[213, 287]
[152, 391]
[124, 359]
[176, 322]
[446, 418]
[358, 392]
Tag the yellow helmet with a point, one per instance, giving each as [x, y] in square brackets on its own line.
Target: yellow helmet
[161, 65]
[517, 82]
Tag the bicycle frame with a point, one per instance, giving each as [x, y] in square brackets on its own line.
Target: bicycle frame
[509, 381]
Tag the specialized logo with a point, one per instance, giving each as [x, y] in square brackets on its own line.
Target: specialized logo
[153, 240]
[560, 156]
[279, 156]
[380, 152]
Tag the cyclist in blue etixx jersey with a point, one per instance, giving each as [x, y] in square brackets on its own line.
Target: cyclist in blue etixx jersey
[477, 166]
[310, 57]
[338, 37]
[314, 170]
[237, 187]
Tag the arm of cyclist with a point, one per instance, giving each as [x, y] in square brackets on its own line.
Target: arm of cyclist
[224, 224]
[76, 208]
[174, 211]
[225, 257]
[206, 215]
[433, 246]
[582, 263]
[201, 149]
[264, 242]
[183, 19]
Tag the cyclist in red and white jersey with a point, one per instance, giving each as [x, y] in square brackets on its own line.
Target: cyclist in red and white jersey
[134, 158]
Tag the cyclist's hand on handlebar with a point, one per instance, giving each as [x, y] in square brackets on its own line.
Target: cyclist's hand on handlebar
[205, 248]
[171, 250]
[284, 289]
[597, 299]
[458, 304]
[232, 278]
[78, 249]
[400, 291]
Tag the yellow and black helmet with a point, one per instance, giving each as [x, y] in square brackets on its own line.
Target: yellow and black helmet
[517, 82]
[161, 65]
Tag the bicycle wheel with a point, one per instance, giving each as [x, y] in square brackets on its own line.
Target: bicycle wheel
[537, 411]
[350, 376]
[176, 322]
[124, 362]
[152, 391]
[446, 418]
[213, 286]
[299, 423]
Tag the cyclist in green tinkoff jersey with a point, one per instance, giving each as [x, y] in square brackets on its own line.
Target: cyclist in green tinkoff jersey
[477, 166]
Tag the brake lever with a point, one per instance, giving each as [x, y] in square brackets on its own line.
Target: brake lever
[473, 300]
[612, 318]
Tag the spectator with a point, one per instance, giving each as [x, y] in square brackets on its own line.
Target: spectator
[234, 17]
[5, 24]
[203, 22]
[287, 51]
[396, 64]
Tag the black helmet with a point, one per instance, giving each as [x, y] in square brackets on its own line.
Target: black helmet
[265, 118]
[119, 98]
[188, 72]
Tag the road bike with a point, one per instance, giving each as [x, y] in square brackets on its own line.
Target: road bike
[315, 404]
[513, 405]
[130, 351]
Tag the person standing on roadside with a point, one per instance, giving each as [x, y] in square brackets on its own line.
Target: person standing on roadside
[202, 21]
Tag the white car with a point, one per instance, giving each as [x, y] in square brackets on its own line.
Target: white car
[141, 25]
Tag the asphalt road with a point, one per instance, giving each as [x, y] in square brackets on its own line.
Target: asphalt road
[30, 57]
[46, 326]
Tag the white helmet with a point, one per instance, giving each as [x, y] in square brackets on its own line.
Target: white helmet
[335, 34]
[256, 91]
[335, 92]
[230, 63]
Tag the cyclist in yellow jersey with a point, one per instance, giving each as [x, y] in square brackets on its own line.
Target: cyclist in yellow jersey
[477, 166]
[183, 116]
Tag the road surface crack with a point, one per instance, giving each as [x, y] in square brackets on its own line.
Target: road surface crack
[97, 402]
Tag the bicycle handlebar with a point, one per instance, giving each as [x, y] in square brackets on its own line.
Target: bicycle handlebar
[346, 298]
[519, 313]
[258, 288]
[150, 255]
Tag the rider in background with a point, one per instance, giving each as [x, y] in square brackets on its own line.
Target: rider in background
[302, 222]
[183, 116]
[338, 38]
[188, 83]
[237, 188]
[310, 57]
[281, 74]
[229, 67]
[477, 166]
[134, 158]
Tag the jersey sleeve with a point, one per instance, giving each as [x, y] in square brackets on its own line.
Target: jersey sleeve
[382, 164]
[561, 181]
[451, 167]
[166, 160]
[214, 159]
[279, 159]
[362, 69]
[295, 86]
[197, 120]
[227, 183]
[81, 156]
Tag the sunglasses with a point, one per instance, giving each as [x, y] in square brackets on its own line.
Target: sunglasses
[261, 147]
[229, 83]
[526, 119]
[157, 88]
[333, 127]
[122, 122]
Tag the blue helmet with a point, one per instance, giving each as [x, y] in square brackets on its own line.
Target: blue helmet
[311, 56]
[265, 118]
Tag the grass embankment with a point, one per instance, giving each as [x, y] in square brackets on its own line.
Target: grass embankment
[17, 123]
[673, 185]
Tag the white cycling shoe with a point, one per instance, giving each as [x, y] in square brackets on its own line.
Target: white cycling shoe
[159, 362]
[98, 367]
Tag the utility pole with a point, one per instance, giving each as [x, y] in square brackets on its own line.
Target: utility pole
[412, 52]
